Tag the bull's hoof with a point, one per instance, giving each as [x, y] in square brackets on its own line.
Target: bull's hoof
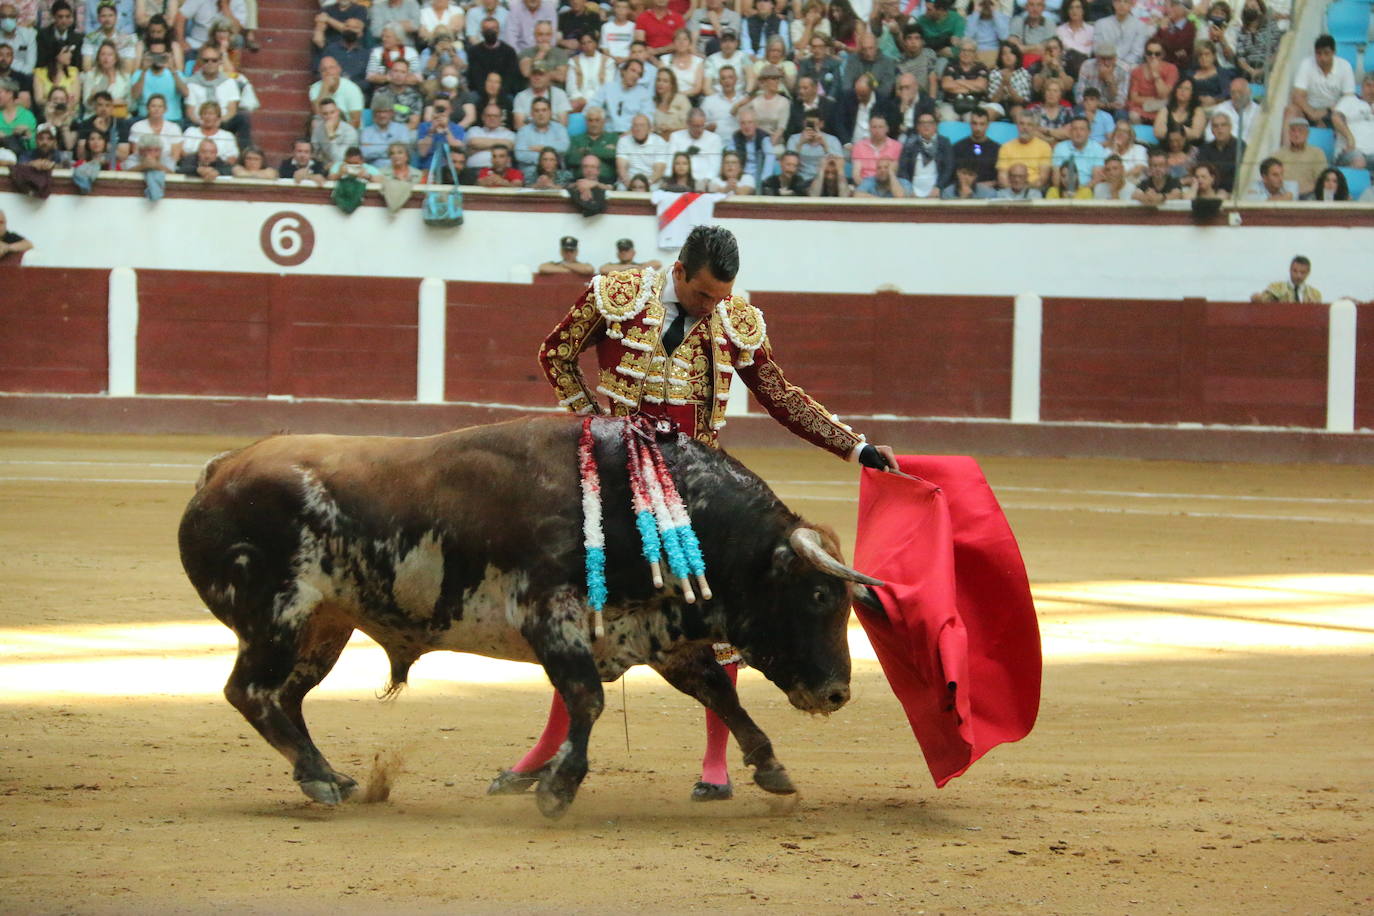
[324, 791]
[348, 786]
[710, 791]
[509, 782]
[775, 780]
[551, 805]
[556, 791]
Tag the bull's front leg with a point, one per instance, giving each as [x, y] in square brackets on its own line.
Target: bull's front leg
[558, 636]
[695, 671]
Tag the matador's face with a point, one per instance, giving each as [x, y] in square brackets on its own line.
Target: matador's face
[701, 293]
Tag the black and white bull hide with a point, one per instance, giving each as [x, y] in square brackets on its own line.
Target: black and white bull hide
[472, 541]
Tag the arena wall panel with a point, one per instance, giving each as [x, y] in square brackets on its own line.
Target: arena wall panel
[55, 334]
[1364, 366]
[493, 336]
[204, 333]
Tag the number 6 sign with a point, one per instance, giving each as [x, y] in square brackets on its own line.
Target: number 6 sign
[287, 238]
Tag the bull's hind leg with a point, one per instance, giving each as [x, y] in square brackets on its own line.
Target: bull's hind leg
[271, 677]
[559, 638]
[695, 672]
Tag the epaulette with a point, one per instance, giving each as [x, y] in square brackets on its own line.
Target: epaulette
[621, 295]
[744, 325]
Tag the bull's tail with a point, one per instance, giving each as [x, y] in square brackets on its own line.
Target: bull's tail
[400, 671]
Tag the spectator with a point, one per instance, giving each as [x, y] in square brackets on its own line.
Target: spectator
[347, 47]
[915, 59]
[807, 27]
[576, 21]
[618, 34]
[1239, 109]
[541, 132]
[197, 18]
[102, 122]
[866, 61]
[155, 76]
[1301, 162]
[772, 108]
[686, 66]
[1027, 150]
[1182, 114]
[500, 174]
[440, 127]
[1177, 34]
[393, 49]
[697, 142]
[1223, 152]
[1219, 36]
[828, 72]
[548, 173]
[546, 53]
[656, 26]
[441, 66]
[1162, 177]
[404, 14]
[1151, 83]
[830, 180]
[978, 151]
[640, 152]
[1100, 124]
[399, 93]
[524, 15]
[60, 32]
[1204, 184]
[1210, 82]
[754, 147]
[1076, 34]
[856, 109]
[927, 159]
[58, 72]
[844, 25]
[1331, 186]
[941, 27]
[337, 88]
[157, 125]
[1009, 84]
[730, 56]
[23, 82]
[588, 71]
[226, 146]
[679, 179]
[540, 87]
[125, 45]
[492, 55]
[810, 103]
[865, 154]
[1256, 42]
[253, 164]
[670, 106]
[1354, 123]
[640, 51]
[1018, 184]
[1295, 290]
[333, 135]
[1084, 153]
[707, 21]
[1124, 32]
[1322, 80]
[775, 57]
[625, 259]
[788, 182]
[209, 84]
[965, 185]
[1109, 76]
[149, 158]
[441, 14]
[223, 38]
[567, 262]
[493, 93]
[1271, 185]
[353, 166]
[59, 114]
[908, 105]
[302, 167]
[1031, 29]
[476, 17]
[1051, 68]
[45, 154]
[106, 76]
[481, 140]
[989, 27]
[762, 27]
[1114, 185]
[1051, 116]
[884, 182]
[720, 106]
[385, 131]
[588, 191]
[814, 147]
[624, 99]
[204, 163]
[1066, 186]
[598, 142]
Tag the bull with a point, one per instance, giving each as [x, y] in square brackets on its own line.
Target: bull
[472, 541]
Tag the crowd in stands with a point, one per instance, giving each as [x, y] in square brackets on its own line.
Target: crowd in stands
[1146, 100]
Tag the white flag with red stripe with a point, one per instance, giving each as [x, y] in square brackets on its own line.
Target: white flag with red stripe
[680, 213]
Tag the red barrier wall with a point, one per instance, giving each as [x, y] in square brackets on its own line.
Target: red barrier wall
[889, 353]
[55, 330]
[1364, 366]
[494, 331]
[1188, 361]
[254, 335]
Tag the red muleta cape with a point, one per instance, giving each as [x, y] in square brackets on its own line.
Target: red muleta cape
[959, 643]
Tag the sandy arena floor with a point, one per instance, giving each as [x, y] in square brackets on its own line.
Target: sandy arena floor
[1205, 744]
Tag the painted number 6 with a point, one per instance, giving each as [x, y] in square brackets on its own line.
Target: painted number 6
[287, 238]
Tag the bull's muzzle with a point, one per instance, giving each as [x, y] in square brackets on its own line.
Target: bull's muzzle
[824, 700]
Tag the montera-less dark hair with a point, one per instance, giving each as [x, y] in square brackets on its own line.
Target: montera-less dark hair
[710, 246]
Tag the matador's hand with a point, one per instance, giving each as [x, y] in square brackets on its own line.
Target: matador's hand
[878, 457]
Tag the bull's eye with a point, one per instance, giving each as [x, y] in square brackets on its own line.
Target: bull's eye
[818, 595]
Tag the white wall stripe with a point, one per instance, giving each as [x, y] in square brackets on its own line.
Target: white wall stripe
[123, 333]
[432, 342]
[1027, 327]
[1340, 368]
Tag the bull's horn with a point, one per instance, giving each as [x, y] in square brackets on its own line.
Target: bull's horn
[807, 543]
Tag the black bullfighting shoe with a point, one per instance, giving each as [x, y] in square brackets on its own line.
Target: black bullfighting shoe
[710, 791]
[509, 782]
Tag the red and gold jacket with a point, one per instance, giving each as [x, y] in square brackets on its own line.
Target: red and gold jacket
[621, 315]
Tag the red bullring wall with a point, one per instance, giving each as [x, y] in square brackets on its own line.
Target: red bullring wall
[53, 330]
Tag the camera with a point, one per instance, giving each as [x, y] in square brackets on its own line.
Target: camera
[60, 107]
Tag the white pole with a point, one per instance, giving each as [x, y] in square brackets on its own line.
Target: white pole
[432, 332]
[1027, 325]
[1340, 367]
[123, 333]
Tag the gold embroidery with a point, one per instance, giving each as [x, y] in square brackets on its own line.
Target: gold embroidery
[795, 409]
[558, 355]
[744, 325]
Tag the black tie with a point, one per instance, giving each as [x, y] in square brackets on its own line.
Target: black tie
[673, 336]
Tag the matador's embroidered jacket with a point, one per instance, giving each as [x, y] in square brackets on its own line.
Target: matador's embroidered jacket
[622, 316]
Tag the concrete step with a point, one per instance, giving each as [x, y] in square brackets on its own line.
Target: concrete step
[276, 18]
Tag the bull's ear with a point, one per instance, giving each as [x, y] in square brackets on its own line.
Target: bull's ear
[866, 598]
[785, 560]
